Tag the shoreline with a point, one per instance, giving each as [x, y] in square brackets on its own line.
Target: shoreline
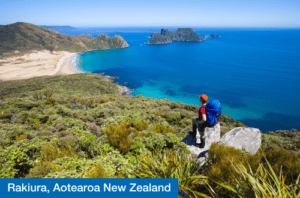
[69, 66]
[34, 64]
[44, 63]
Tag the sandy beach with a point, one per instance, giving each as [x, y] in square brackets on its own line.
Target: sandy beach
[39, 63]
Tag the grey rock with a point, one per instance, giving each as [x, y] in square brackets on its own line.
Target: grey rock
[212, 134]
[157, 38]
[214, 36]
[241, 137]
[186, 34]
[167, 33]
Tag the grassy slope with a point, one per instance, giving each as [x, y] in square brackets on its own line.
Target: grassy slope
[30, 129]
[25, 37]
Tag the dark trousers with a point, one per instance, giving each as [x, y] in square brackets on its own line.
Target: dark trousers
[201, 128]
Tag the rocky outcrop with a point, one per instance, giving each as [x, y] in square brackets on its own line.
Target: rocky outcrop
[212, 134]
[105, 42]
[214, 36]
[87, 37]
[181, 34]
[241, 137]
[157, 38]
[186, 34]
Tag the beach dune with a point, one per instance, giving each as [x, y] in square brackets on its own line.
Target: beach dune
[36, 63]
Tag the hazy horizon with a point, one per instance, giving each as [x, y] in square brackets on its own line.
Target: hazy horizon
[164, 13]
[166, 26]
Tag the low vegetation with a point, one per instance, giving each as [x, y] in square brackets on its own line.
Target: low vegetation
[79, 126]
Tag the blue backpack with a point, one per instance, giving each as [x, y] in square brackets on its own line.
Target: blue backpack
[213, 111]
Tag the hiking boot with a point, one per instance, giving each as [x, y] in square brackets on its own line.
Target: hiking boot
[200, 145]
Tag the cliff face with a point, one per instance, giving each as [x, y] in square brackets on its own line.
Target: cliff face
[105, 42]
[181, 34]
[24, 37]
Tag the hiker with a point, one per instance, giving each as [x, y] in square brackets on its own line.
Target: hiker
[209, 115]
[200, 122]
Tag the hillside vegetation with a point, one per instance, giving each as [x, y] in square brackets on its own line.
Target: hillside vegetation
[79, 126]
[24, 37]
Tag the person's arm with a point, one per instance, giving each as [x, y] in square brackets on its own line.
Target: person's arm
[203, 119]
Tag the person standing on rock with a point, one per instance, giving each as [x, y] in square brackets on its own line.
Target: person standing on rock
[200, 122]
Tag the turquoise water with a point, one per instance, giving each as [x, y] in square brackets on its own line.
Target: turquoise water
[255, 73]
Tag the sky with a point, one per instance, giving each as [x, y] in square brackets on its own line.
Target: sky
[141, 13]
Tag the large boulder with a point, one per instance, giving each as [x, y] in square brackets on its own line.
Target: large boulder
[241, 137]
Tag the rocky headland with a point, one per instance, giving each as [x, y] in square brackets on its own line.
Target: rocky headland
[24, 37]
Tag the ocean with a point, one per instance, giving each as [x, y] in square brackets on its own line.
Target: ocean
[254, 72]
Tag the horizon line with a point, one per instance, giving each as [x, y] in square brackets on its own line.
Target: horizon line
[170, 26]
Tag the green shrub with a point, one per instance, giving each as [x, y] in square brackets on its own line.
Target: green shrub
[171, 116]
[141, 125]
[89, 144]
[97, 171]
[99, 121]
[171, 164]
[282, 160]
[52, 151]
[5, 114]
[154, 141]
[222, 157]
[50, 101]
[21, 137]
[160, 128]
[119, 136]
[87, 118]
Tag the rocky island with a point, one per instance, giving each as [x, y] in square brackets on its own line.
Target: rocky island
[214, 36]
[181, 34]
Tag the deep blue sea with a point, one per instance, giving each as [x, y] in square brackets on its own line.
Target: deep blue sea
[255, 73]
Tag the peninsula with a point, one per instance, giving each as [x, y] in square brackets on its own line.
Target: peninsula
[23, 37]
[28, 50]
[181, 34]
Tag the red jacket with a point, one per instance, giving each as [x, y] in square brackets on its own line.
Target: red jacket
[201, 112]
